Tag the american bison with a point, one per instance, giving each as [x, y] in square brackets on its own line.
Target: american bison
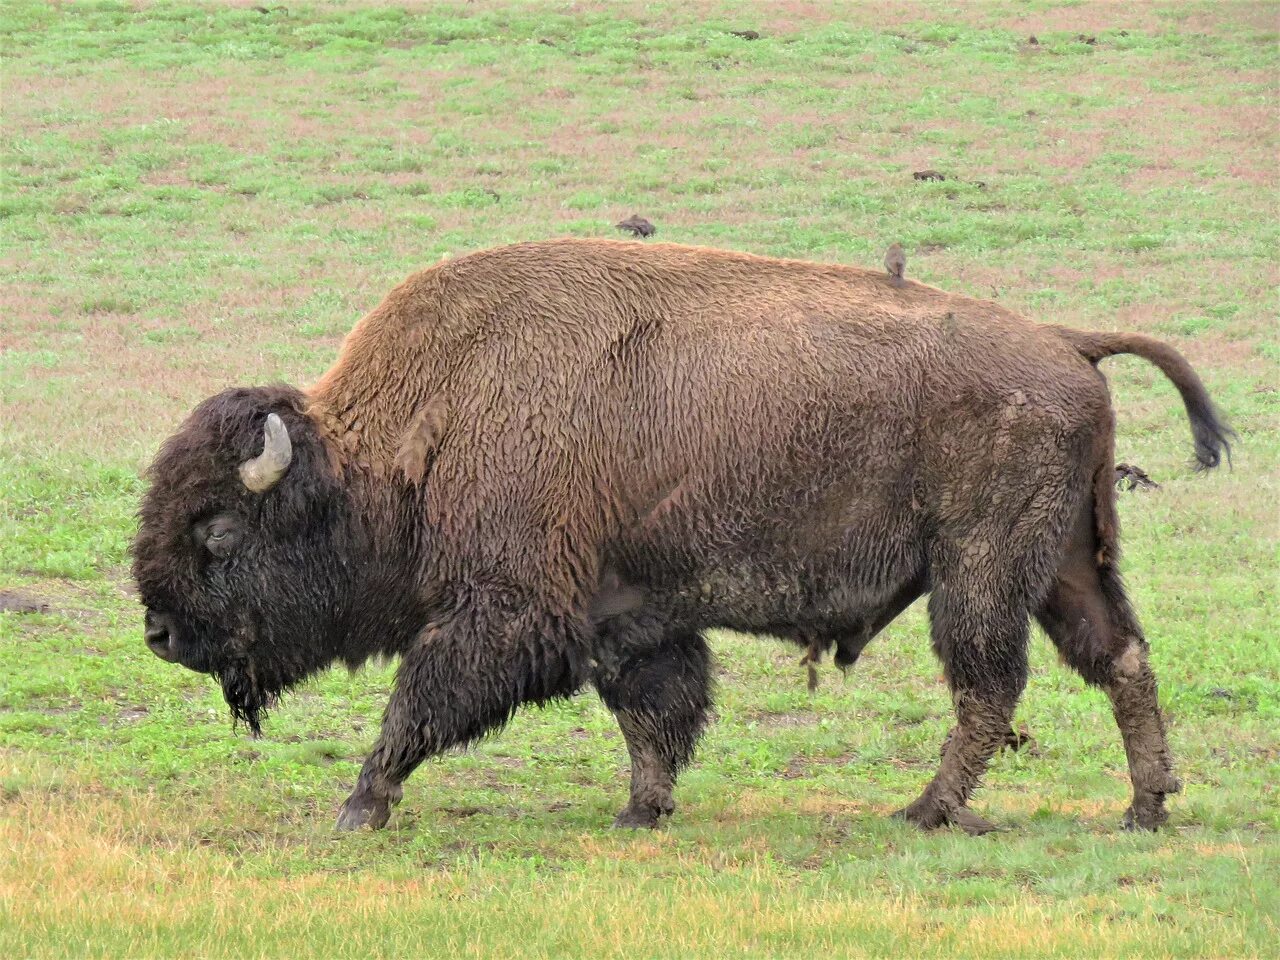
[553, 465]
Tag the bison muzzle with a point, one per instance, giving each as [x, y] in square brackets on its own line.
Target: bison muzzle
[554, 465]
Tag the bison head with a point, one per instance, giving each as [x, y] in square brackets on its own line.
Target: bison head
[246, 547]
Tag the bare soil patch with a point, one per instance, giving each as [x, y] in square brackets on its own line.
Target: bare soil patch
[11, 601]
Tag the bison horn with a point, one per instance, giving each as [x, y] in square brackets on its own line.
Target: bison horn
[264, 471]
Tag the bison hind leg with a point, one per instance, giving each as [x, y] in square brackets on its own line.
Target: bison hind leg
[1089, 620]
[984, 586]
[984, 651]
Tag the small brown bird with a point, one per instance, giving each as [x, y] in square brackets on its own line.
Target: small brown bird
[895, 262]
[637, 226]
[1135, 477]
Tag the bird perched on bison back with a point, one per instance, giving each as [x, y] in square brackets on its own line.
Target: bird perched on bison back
[895, 262]
[553, 466]
[637, 226]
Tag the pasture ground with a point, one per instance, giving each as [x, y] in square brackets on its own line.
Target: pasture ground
[196, 196]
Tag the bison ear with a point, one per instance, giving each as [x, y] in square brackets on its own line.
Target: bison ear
[264, 471]
[425, 432]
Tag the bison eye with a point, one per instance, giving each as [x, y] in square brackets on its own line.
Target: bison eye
[218, 534]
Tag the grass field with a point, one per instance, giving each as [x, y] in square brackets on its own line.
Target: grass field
[198, 196]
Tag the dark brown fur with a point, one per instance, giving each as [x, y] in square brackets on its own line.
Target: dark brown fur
[554, 464]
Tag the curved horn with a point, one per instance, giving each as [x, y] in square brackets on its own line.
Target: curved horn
[264, 471]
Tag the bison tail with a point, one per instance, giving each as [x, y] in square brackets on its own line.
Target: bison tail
[1212, 434]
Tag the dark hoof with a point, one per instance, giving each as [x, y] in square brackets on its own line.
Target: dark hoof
[928, 815]
[1147, 811]
[366, 810]
[924, 814]
[635, 817]
[1145, 817]
[971, 823]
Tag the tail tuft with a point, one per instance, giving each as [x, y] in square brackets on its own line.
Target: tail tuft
[1211, 434]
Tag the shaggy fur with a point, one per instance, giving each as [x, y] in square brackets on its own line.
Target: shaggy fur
[555, 464]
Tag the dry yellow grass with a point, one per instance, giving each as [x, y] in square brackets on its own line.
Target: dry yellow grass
[85, 868]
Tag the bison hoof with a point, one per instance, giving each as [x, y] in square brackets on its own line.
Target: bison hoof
[924, 813]
[971, 823]
[1146, 816]
[640, 817]
[364, 809]
[928, 815]
[368, 811]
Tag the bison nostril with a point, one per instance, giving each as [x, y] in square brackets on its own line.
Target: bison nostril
[158, 638]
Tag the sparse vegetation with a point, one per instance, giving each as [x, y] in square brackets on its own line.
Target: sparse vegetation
[201, 195]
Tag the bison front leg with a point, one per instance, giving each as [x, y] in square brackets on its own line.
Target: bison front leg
[983, 646]
[462, 679]
[660, 697]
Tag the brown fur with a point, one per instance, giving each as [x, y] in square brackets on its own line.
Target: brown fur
[421, 439]
[666, 297]
[562, 461]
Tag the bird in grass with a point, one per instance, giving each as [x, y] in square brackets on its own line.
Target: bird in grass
[637, 226]
[1135, 477]
[895, 262]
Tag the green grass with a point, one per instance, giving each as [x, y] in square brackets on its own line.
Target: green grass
[196, 196]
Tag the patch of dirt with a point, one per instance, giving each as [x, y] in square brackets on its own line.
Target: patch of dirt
[123, 581]
[11, 601]
[504, 761]
[781, 721]
[174, 176]
[798, 767]
[899, 763]
[462, 813]
[42, 705]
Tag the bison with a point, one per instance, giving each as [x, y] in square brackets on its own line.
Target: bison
[555, 465]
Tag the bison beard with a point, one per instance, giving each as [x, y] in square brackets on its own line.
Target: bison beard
[555, 465]
[247, 700]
